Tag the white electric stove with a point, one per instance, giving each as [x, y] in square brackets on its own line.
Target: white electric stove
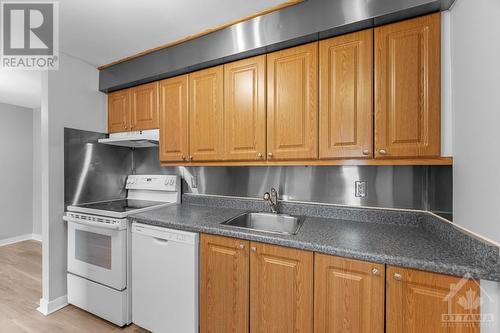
[99, 240]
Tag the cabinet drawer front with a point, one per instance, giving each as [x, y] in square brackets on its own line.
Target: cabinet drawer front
[408, 88]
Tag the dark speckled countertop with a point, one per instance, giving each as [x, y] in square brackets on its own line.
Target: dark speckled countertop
[411, 239]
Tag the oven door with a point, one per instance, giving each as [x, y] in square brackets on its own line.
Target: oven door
[98, 254]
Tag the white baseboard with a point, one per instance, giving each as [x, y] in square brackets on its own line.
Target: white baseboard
[48, 307]
[22, 238]
[36, 237]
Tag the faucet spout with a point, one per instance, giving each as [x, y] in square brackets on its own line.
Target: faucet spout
[272, 200]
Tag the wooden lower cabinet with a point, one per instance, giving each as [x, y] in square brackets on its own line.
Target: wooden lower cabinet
[281, 289]
[421, 302]
[348, 295]
[224, 283]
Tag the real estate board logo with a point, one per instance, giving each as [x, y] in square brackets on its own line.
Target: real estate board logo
[29, 36]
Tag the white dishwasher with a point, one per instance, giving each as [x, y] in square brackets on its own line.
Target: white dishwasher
[164, 279]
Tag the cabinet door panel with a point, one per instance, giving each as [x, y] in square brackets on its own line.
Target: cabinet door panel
[145, 107]
[174, 131]
[292, 103]
[407, 88]
[348, 295]
[224, 283]
[119, 111]
[206, 114]
[346, 66]
[421, 302]
[281, 298]
[245, 109]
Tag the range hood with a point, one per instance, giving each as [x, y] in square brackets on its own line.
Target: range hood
[136, 139]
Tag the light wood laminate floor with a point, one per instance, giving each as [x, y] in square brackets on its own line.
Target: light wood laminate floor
[20, 293]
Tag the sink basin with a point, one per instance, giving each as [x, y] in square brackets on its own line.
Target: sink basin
[267, 222]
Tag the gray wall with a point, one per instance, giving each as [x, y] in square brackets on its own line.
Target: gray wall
[413, 187]
[16, 171]
[475, 87]
[69, 99]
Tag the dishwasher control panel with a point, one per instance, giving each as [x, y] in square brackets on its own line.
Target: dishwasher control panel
[165, 234]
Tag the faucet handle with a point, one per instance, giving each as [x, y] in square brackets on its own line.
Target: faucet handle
[267, 196]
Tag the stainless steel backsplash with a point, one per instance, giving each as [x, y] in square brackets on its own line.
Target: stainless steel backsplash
[411, 187]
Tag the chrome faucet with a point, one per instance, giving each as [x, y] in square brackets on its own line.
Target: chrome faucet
[272, 200]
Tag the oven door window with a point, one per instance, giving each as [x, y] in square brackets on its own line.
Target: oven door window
[93, 248]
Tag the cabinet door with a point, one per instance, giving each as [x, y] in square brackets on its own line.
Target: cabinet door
[206, 122]
[346, 81]
[292, 103]
[174, 131]
[145, 107]
[281, 297]
[224, 283]
[119, 111]
[408, 88]
[348, 295]
[245, 109]
[423, 302]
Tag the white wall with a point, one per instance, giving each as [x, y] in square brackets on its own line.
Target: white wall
[16, 171]
[475, 99]
[70, 98]
[37, 182]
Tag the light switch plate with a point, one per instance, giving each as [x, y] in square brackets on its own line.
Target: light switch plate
[360, 189]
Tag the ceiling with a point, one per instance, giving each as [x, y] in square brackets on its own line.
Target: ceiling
[100, 32]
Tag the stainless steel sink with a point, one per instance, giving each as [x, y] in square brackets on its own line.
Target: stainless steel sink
[267, 222]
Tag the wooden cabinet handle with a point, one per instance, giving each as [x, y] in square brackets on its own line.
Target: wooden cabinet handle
[397, 277]
[382, 151]
[190, 158]
[242, 246]
[259, 155]
[183, 157]
[253, 249]
[270, 154]
[366, 151]
[376, 271]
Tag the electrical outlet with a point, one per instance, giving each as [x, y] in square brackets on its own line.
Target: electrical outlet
[360, 189]
[194, 181]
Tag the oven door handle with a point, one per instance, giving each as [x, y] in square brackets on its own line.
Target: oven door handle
[92, 224]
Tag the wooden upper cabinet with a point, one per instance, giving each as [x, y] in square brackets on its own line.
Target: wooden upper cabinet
[144, 107]
[206, 114]
[281, 296]
[421, 302]
[174, 127]
[349, 295]
[245, 109]
[224, 285]
[119, 111]
[408, 88]
[292, 103]
[346, 97]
